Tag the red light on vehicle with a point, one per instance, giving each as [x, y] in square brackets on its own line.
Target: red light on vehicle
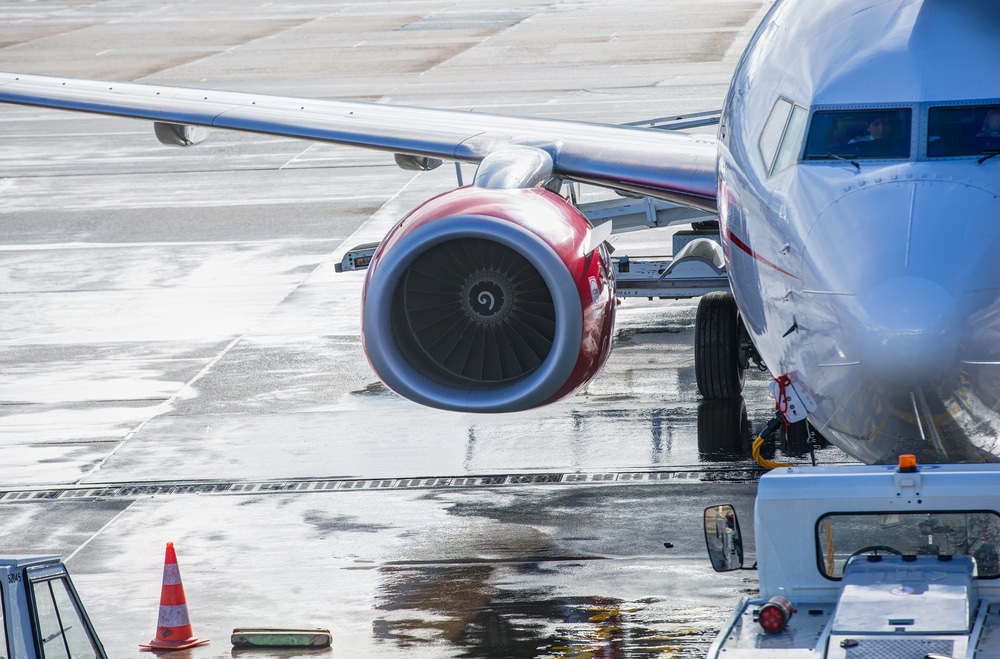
[775, 614]
[907, 463]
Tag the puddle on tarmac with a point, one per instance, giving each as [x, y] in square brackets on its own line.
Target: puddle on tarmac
[462, 606]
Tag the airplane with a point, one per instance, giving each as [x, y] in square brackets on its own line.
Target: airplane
[857, 195]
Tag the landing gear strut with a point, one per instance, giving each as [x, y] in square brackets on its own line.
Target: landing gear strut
[720, 347]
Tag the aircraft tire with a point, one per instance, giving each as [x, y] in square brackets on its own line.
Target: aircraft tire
[717, 366]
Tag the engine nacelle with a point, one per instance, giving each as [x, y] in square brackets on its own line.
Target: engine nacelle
[487, 300]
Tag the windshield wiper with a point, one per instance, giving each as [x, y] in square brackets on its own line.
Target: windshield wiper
[843, 159]
[987, 154]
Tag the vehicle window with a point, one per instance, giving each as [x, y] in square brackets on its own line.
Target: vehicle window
[963, 131]
[773, 129]
[64, 634]
[791, 143]
[974, 533]
[855, 134]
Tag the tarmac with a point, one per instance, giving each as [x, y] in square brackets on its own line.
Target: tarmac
[180, 362]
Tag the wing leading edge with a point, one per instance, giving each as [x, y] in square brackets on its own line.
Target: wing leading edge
[677, 167]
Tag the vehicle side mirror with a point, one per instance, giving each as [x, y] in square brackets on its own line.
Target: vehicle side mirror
[723, 538]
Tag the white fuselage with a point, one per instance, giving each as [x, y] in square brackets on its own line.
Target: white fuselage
[873, 280]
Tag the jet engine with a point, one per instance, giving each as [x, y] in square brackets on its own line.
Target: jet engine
[489, 300]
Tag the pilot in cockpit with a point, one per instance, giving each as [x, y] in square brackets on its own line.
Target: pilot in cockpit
[879, 128]
[991, 125]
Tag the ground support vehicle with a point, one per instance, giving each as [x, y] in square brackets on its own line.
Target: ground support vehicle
[42, 613]
[867, 561]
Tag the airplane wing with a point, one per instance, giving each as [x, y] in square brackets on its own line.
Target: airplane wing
[676, 167]
[495, 297]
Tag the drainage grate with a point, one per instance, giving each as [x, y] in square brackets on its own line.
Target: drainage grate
[135, 490]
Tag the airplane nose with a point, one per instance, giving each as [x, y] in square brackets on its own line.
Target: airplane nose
[910, 331]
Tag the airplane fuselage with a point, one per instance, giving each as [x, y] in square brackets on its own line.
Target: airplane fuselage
[859, 207]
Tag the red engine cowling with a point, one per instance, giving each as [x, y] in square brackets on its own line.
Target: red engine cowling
[485, 300]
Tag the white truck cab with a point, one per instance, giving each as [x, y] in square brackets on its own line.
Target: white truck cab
[867, 561]
[43, 617]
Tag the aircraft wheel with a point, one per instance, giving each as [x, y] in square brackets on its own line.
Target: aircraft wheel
[718, 368]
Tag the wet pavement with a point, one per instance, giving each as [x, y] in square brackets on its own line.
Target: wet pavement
[180, 362]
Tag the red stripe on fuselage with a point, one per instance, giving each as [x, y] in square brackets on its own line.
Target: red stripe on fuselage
[746, 248]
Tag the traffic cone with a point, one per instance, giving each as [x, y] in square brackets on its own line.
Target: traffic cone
[173, 629]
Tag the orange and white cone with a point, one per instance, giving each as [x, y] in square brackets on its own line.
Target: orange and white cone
[173, 629]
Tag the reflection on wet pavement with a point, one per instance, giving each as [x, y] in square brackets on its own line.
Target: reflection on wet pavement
[516, 578]
[457, 605]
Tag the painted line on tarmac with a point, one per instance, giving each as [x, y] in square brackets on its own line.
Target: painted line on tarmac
[133, 490]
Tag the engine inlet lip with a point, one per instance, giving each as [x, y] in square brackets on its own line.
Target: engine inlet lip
[402, 377]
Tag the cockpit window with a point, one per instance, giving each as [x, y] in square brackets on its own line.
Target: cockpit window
[781, 138]
[963, 131]
[973, 533]
[773, 129]
[856, 134]
[791, 142]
